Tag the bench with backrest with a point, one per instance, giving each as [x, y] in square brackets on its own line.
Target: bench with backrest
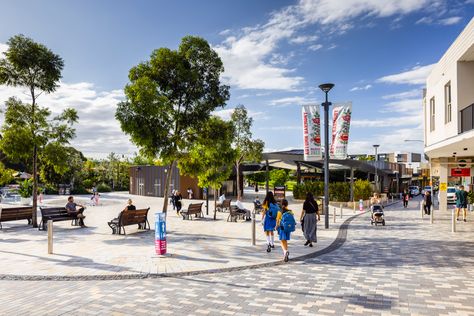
[224, 205]
[130, 217]
[16, 214]
[56, 214]
[234, 214]
[193, 209]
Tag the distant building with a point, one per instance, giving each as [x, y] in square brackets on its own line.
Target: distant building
[448, 111]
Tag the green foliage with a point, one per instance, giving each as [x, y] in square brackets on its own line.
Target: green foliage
[6, 175]
[470, 197]
[278, 177]
[103, 187]
[79, 190]
[256, 177]
[362, 190]
[338, 191]
[88, 183]
[26, 189]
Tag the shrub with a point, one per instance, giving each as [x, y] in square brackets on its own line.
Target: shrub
[79, 190]
[300, 190]
[88, 183]
[278, 177]
[362, 190]
[470, 197]
[26, 189]
[339, 191]
[103, 187]
[50, 189]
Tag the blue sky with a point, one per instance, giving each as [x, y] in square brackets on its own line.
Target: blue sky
[276, 53]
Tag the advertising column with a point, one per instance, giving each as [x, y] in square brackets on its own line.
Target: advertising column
[160, 233]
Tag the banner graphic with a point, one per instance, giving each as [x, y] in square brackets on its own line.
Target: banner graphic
[341, 114]
[311, 132]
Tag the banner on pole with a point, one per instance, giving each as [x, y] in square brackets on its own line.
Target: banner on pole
[341, 120]
[311, 132]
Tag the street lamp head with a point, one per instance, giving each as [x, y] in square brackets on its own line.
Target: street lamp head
[376, 146]
[326, 87]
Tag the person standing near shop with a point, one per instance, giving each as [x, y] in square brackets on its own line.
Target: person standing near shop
[461, 203]
[427, 202]
[269, 214]
[405, 197]
[309, 219]
[285, 223]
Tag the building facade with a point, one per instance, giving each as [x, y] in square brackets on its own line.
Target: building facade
[448, 111]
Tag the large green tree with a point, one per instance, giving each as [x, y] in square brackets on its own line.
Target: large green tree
[27, 128]
[6, 175]
[211, 156]
[169, 98]
[247, 148]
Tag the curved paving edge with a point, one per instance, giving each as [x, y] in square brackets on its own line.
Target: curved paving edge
[336, 244]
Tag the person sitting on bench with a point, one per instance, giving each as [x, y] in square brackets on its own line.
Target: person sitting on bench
[241, 209]
[114, 222]
[71, 208]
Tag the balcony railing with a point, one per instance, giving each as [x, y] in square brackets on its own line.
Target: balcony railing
[467, 118]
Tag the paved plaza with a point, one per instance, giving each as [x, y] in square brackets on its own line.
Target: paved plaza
[409, 267]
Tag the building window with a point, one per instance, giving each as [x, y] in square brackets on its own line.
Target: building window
[432, 114]
[447, 102]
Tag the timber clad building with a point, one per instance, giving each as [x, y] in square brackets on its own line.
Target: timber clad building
[150, 181]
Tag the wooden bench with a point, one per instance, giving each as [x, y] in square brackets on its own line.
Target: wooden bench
[193, 209]
[130, 217]
[16, 214]
[224, 205]
[56, 214]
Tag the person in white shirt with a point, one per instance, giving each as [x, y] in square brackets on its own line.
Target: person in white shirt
[241, 209]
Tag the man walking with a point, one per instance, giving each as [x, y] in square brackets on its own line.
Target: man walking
[461, 203]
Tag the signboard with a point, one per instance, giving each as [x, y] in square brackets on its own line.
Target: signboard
[311, 132]
[160, 233]
[279, 193]
[460, 172]
[443, 186]
[340, 130]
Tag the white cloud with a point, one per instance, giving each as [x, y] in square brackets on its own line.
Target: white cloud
[315, 47]
[224, 32]
[366, 87]
[225, 114]
[416, 76]
[247, 53]
[291, 101]
[394, 121]
[402, 106]
[404, 95]
[98, 132]
[450, 21]
[3, 48]
[303, 39]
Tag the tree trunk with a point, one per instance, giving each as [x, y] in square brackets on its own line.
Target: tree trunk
[167, 186]
[35, 185]
[237, 170]
[215, 203]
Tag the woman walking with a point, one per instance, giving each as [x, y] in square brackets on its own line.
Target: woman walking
[427, 203]
[285, 225]
[309, 219]
[269, 214]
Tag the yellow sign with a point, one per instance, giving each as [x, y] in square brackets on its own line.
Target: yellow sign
[443, 186]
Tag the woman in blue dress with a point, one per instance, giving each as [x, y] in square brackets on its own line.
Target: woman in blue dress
[269, 214]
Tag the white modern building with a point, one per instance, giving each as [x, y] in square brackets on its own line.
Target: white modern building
[449, 115]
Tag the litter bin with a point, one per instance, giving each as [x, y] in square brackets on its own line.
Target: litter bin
[160, 233]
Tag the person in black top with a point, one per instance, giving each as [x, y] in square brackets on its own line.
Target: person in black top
[427, 203]
[405, 197]
[177, 202]
[309, 218]
[114, 222]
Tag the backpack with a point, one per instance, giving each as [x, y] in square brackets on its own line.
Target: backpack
[288, 223]
[272, 210]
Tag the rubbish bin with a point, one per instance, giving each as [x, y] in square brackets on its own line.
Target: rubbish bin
[160, 233]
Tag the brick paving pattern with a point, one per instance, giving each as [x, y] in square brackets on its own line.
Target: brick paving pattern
[408, 267]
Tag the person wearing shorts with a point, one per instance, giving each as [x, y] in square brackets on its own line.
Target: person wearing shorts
[461, 203]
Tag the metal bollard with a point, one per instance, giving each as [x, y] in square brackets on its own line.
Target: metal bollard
[50, 237]
[354, 206]
[432, 216]
[334, 214]
[422, 210]
[392, 199]
[341, 210]
[254, 242]
[453, 221]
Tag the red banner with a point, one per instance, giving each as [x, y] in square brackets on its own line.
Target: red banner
[460, 172]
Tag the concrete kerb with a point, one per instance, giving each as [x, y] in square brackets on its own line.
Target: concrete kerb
[336, 244]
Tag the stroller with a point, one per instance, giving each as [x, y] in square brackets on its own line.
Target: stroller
[377, 215]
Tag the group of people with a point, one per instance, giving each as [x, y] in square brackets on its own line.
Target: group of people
[282, 220]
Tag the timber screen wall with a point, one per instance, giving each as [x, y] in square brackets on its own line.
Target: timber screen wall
[150, 180]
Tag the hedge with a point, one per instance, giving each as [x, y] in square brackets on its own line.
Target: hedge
[338, 191]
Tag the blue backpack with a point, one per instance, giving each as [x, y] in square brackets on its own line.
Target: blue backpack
[272, 210]
[288, 223]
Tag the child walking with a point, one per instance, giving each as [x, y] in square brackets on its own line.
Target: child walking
[269, 214]
[285, 225]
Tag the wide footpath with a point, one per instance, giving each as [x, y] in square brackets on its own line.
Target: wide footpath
[194, 246]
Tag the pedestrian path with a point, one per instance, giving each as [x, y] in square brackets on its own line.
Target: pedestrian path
[194, 246]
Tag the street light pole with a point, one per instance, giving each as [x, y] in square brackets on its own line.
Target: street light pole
[326, 87]
[376, 173]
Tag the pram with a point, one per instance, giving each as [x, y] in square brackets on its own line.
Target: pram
[377, 216]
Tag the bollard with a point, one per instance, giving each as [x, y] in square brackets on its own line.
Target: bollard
[254, 242]
[50, 237]
[453, 221]
[334, 214]
[422, 210]
[341, 210]
[432, 216]
[392, 199]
